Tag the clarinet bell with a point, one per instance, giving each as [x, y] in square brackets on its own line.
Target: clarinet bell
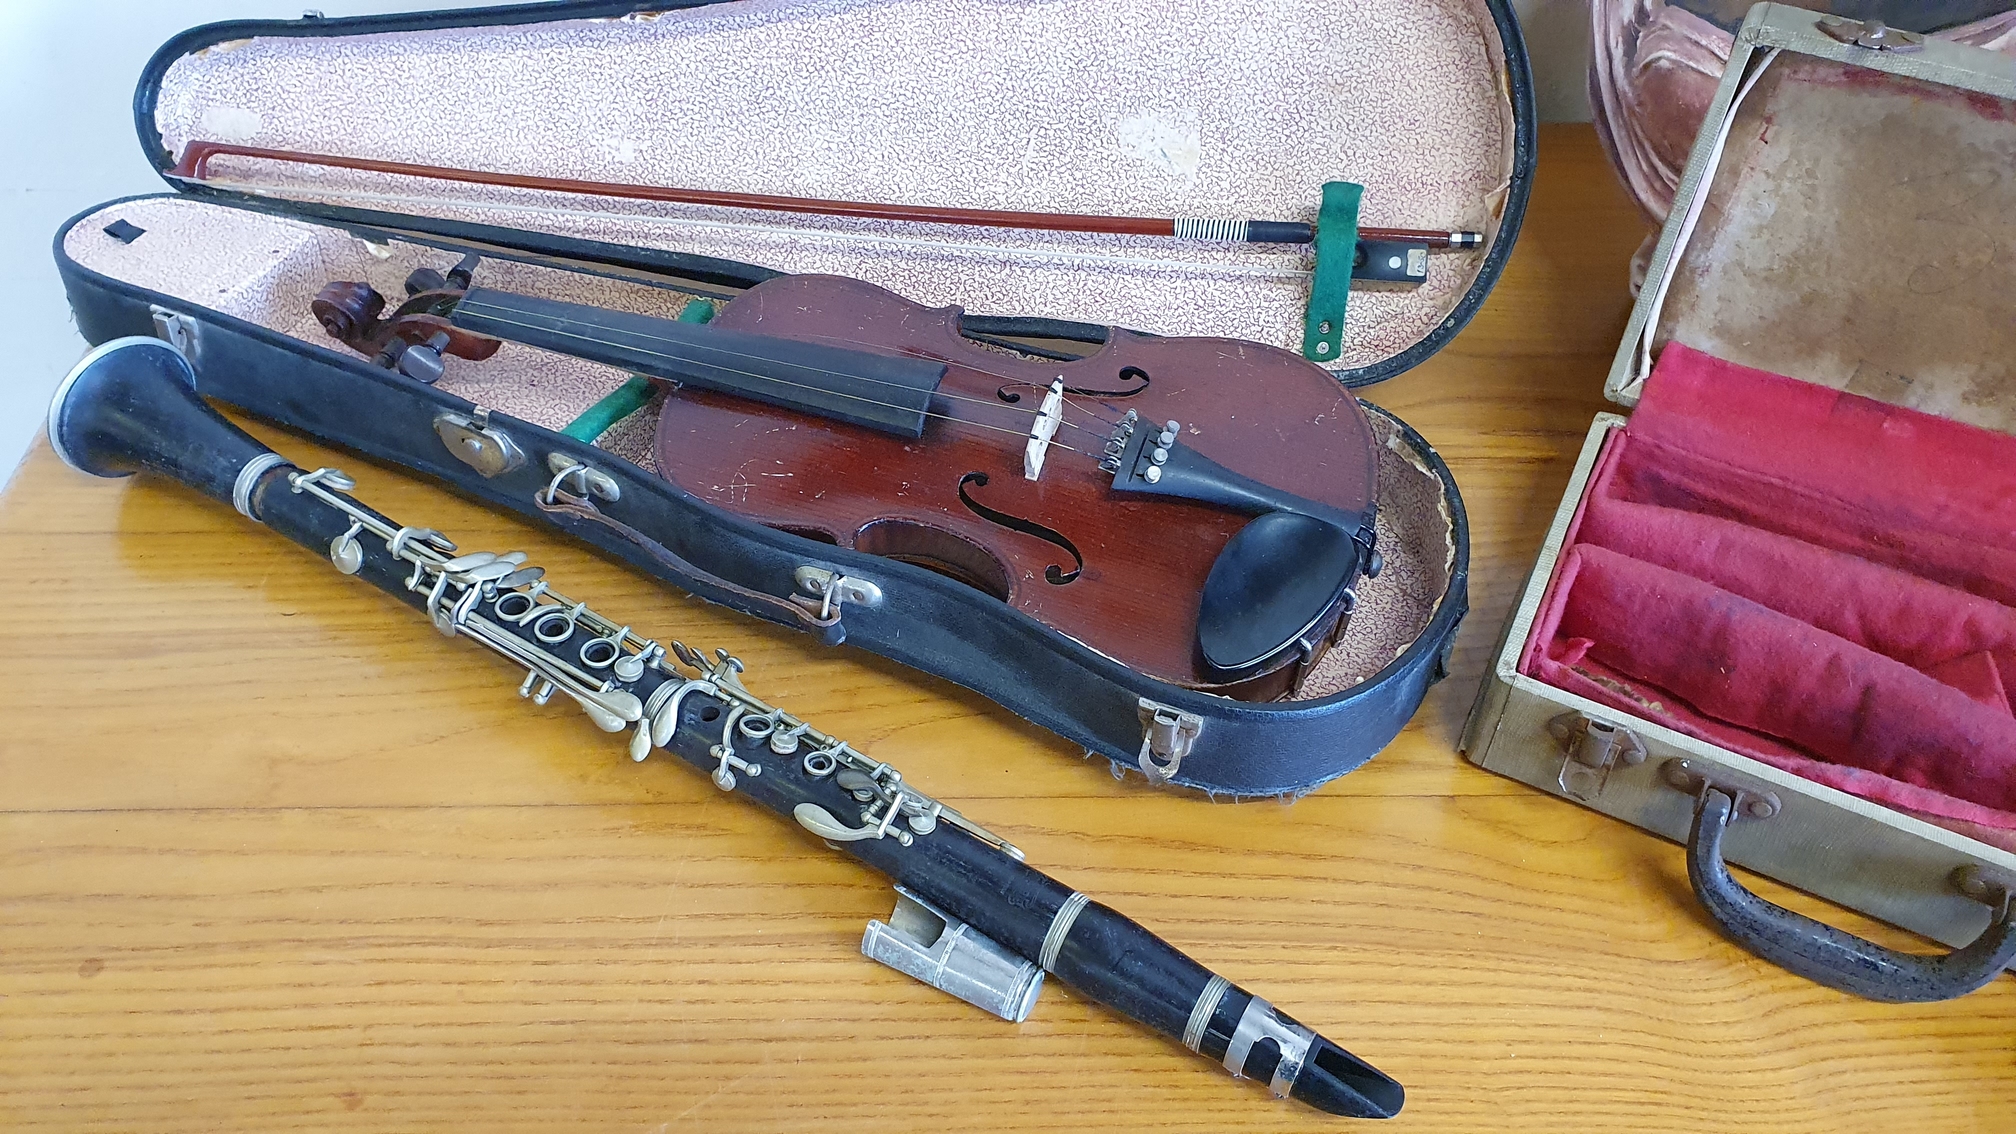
[131, 404]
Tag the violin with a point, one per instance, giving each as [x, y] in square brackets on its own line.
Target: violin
[1199, 509]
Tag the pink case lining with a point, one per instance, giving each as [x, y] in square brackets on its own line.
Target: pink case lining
[1814, 579]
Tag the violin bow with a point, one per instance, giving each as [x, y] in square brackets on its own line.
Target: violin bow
[194, 166]
[1344, 250]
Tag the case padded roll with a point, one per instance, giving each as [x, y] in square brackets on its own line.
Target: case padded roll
[1958, 638]
[1745, 664]
[1891, 485]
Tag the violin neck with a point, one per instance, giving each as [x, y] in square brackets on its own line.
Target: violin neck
[889, 393]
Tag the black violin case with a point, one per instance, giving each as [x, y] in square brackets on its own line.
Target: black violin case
[1185, 109]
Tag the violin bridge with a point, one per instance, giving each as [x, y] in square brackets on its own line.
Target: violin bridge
[1048, 416]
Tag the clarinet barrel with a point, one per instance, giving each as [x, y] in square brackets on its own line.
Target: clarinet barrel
[131, 404]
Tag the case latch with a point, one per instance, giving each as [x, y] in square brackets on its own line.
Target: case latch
[1872, 34]
[1167, 735]
[1592, 749]
[478, 444]
[590, 480]
[175, 329]
[833, 589]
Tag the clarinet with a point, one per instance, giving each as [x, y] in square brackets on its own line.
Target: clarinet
[972, 918]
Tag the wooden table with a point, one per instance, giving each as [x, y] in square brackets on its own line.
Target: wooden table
[274, 856]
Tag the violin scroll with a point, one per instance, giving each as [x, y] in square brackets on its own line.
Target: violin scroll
[416, 336]
[349, 312]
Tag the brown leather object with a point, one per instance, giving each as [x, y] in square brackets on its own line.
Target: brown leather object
[1655, 68]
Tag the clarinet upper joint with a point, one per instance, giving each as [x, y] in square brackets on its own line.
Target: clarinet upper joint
[568, 648]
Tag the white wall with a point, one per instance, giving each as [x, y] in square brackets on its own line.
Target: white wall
[67, 71]
[1557, 37]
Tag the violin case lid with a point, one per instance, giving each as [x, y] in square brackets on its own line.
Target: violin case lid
[1181, 109]
[1073, 106]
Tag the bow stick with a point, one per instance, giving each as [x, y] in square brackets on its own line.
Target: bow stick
[194, 166]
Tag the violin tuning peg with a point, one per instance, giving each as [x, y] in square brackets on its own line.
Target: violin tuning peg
[460, 275]
[425, 279]
[423, 362]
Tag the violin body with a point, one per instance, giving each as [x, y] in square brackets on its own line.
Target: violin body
[956, 499]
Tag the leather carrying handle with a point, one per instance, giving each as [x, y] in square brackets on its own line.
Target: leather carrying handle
[794, 611]
[1826, 955]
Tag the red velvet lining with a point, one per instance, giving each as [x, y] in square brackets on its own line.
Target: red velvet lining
[1814, 579]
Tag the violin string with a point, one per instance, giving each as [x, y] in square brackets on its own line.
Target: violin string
[1086, 410]
[1107, 422]
[798, 385]
[991, 403]
[490, 311]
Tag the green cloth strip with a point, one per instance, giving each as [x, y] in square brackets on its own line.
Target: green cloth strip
[633, 395]
[1330, 288]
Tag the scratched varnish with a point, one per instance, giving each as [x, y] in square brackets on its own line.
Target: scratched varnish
[276, 856]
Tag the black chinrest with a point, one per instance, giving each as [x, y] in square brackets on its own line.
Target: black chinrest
[1276, 584]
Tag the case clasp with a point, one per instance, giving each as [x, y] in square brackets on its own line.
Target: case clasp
[175, 329]
[1872, 34]
[1591, 749]
[478, 444]
[1167, 735]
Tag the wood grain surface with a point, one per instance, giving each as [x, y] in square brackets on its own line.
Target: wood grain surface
[275, 856]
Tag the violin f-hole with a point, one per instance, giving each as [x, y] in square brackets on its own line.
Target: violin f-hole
[1127, 374]
[1053, 573]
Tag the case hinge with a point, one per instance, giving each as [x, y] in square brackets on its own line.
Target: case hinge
[478, 444]
[1591, 749]
[1167, 735]
[1872, 34]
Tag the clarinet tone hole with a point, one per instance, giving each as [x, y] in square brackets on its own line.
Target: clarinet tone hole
[598, 653]
[756, 728]
[819, 763]
[710, 714]
[553, 626]
[513, 606]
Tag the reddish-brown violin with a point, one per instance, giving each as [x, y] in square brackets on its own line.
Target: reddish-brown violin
[1200, 509]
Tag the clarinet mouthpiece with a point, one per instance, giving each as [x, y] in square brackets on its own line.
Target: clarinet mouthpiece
[1337, 1082]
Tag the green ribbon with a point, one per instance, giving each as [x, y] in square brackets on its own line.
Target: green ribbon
[1330, 288]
